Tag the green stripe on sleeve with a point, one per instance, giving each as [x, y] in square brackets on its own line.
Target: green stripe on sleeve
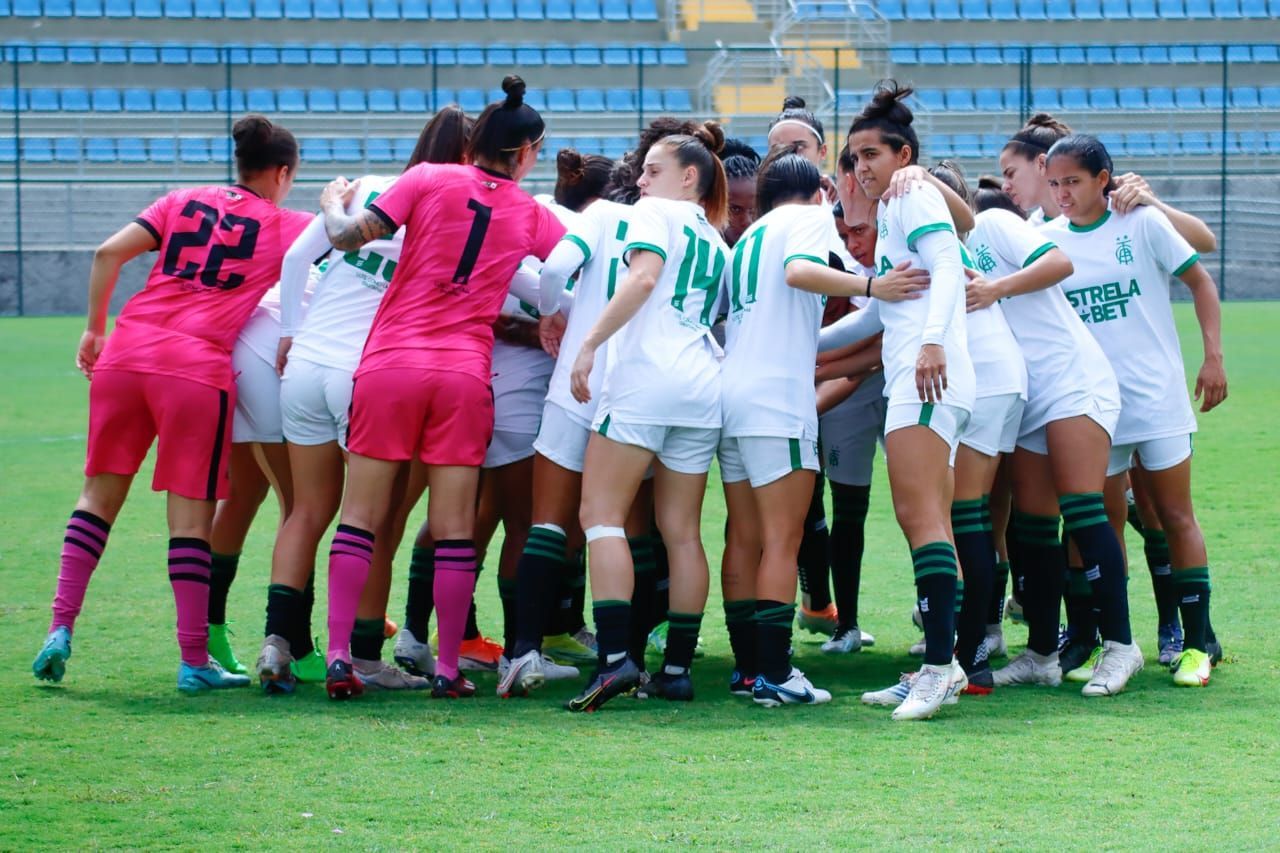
[926, 229]
[645, 247]
[1035, 256]
[1191, 262]
[581, 244]
[802, 257]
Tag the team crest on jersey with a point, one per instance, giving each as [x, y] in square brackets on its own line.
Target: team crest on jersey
[1124, 250]
[883, 226]
[986, 262]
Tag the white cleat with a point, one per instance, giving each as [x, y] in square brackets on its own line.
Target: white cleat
[867, 639]
[796, 690]
[1029, 668]
[843, 642]
[897, 693]
[930, 689]
[1116, 665]
[414, 657]
[274, 672]
[917, 649]
[380, 675]
[1013, 611]
[519, 676]
[995, 642]
[553, 671]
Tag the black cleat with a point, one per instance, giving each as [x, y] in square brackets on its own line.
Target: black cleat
[341, 682]
[459, 688]
[1214, 650]
[664, 685]
[741, 685]
[1073, 655]
[620, 679]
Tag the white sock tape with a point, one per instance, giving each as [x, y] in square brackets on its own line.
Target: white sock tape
[601, 532]
[554, 528]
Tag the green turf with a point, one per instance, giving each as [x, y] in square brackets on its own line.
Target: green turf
[115, 757]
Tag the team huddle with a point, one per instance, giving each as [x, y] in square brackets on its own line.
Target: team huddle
[569, 367]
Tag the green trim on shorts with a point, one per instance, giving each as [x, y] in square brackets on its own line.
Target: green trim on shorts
[803, 257]
[1035, 256]
[926, 414]
[644, 247]
[604, 426]
[793, 444]
[581, 244]
[1190, 262]
[926, 229]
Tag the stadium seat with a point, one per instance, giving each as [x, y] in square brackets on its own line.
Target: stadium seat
[1253, 8]
[1171, 9]
[143, 53]
[919, 10]
[86, 8]
[1245, 97]
[51, 53]
[118, 8]
[500, 55]
[1004, 10]
[902, 55]
[193, 150]
[412, 101]
[10, 102]
[988, 100]
[1155, 54]
[1045, 99]
[321, 101]
[206, 53]
[238, 10]
[529, 10]
[1214, 98]
[586, 54]
[959, 54]
[353, 54]
[644, 10]
[264, 54]
[415, 10]
[1239, 53]
[105, 101]
[947, 10]
[1044, 54]
[1143, 10]
[931, 54]
[1071, 54]
[615, 53]
[1139, 145]
[651, 100]
[470, 54]
[502, 10]
[1268, 97]
[472, 100]
[147, 9]
[677, 100]
[891, 10]
[174, 54]
[1209, 53]
[37, 149]
[323, 54]
[379, 100]
[1160, 98]
[620, 100]
[262, 100]
[1099, 54]
[8, 149]
[444, 10]
[1182, 54]
[403, 148]
[471, 10]
[1165, 144]
[1132, 98]
[229, 100]
[931, 99]
[316, 149]
[27, 9]
[74, 100]
[197, 101]
[558, 54]
[413, 55]
[1075, 99]
[1129, 54]
[347, 150]
[210, 10]
[673, 54]
[560, 100]
[271, 10]
[615, 10]
[1032, 10]
[1266, 53]
[590, 100]
[326, 10]
[1088, 10]
[131, 149]
[1201, 10]
[615, 147]
[165, 100]
[356, 10]
[531, 55]
[586, 10]
[378, 150]
[1115, 10]
[162, 150]
[1103, 98]
[992, 143]
[959, 100]
[57, 9]
[559, 10]
[975, 10]
[176, 9]
[44, 100]
[1059, 10]
[988, 54]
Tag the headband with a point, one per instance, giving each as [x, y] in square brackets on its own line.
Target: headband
[803, 124]
[1027, 140]
[530, 143]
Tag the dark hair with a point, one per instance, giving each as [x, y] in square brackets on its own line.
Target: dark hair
[785, 176]
[622, 183]
[1089, 152]
[444, 138]
[734, 147]
[1037, 136]
[261, 145]
[846, 162]
[700, 150]
[951, 174]
[888, 114]
[991, 195]
[740, 160]
[579, 179]
[506, 126]
[793, 109]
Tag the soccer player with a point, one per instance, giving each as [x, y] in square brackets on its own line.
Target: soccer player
[1120, 289]
[929, 383]
[740, 164]
[422, 388]
[165, 372]
[659, 405]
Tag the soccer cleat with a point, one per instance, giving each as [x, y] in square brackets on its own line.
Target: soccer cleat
[1029, 668]
[1013, 611]
[51, 663]
[867, 639]
[583, 635]
[557, 672]
[211, 676]
[741, 685]
[895, 694]
[822, 621]
[658, 637]
[219, 649]
[1192, 669]
[981, 682]
[917, 649]
[310, 669]
[1116, 665]
[795, 690]
[843, 641]
[1214, 649]
[563, 648]
[521, 675]
[665, 685]
[414, 656]
[479, 653]
[275, 666]
[458, 688]
[382, 676]
[341, 681]
[1169, 638]
[621, 678]
[389, 628]
[994, 641]
[1077, 669]
[931, 687]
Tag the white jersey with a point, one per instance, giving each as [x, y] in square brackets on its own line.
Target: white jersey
[261, 333]
[663, 364]
[1120, 289]
[771, 335]
[998, 367]
[349, 292]
[519, 376]
[936, 318]
[599, 235]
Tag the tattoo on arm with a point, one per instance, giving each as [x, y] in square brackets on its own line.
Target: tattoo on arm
[351, 232]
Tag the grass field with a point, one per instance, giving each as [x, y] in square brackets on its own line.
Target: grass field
[116, 757]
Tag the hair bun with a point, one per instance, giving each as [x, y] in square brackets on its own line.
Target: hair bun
[793, 102]
[990, 182]
[514, 87]
[570, 166]
[251, 129]
[711, 135]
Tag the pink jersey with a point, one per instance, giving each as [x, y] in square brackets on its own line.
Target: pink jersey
[467, 229]
[220, 250]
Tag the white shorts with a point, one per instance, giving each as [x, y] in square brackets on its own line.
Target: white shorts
[257, 415]
[848, 435]
[1072, 406]
[562, 438]
[947, 421]
[1154, 454]
[519, 410]
[315, 401]
[685, 450]
[765, 459]
[993, 426]
[507, 447]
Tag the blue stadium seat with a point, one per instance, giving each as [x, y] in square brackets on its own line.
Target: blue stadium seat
[356, 10]
[1182, 54]
[555, 144]
[534, 98]
[193, 150]
[500, 55]
[195, 101]
[1201, 10]
[586, 54]
[651, 100]
[673, 54]
[1143, 10]
[1088, 10]
[382, 101]
[131, 149]
[529, 10]
[27, 8]
[353, 54]
[471, 10]
[644, 10]
[1266, 53]
[1074, 98]
[174, 54]
[403, 148]
[1253, 8]
[931, 99]
[615, 53]
[1115, 10]
[413, 101]
[960, 100]
[1059, 10]
[1139, 145]
[210, 10]
[530, 55]
[74, 100]
[378, 150]
[470, 54]
[586, 10]
[87, 8]
[1160, 98]
[1155, 54]
[1044, 54]
[37, 149]
[1214, 98]
[615, 147]
[1099, 54]
[1129, 54]
[415, 10]
[264, 54]
[620, 100]
[1045, 99]
[988, 100]
[9, 103]
[57, 9]
[558, 54]
[178, 9]
[1268, 98]
[347, 150]
[118, 8]
[1114, 143]
[959, 54]
[966, 145]
[1072, 54]
[412, 55]
[1239, 53]
[162, 150]
[559, 10]
[298, 10]
[262, 100]
[352, 101]
[8, 149]
[444, 10]
[890, 10]
[1032, 10]
[919, 10]
[320, 100]
[141, 101]
[615, 10]
[237, 10]
[1102, 98]
[947, 10]
[143, 53]
[1132, 98]
[1209, 53]
[472, 100]
[322, 53]
[51, 53]
[229, 101]
[502, 10]
[66, 149]
[147, 9]
[677, 100]
[1171, 9]
[316, 150]
[590, 100]
[975, 10]
[645, 54]
[931, 54]
[1252, 142]
[44, 100]
[1165, 144]
[385, 10]
[326, 10]
[993, 143]
[289, 54]
[560, 100]
[105, 101]
[1245, 97]
[271, 10]
[1273, 141]
[902, 55]
[1004, 10]
[988, 53]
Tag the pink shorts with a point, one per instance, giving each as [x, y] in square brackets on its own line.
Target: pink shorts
[440, 417]
[129, 410]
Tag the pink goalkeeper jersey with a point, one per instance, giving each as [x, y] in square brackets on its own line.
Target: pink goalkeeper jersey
[467, 229]
[220, 250]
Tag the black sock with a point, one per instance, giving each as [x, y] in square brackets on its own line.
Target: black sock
[1192, 590]
[1016, 573]
[661, 580]
[773, 639]
[1155, 546]
[367, 638]
[612, 620]
[999, 589]
[847, 542]
[1085, 519]
[220, 580]
[565, 616]
[640, 620]
[1082, 606]
[976, 550]
[1040, 562]
[284, 608]
[536, 576]
[814, 567]
[575, 617]
[421, 601]
[507, 595]
[935, 570]
[1133, 518]
[472, 631]
[739, 619]
[682, 639]
[302, 642]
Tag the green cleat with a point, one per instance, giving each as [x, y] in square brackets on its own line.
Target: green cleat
[51, 663]
[1084, 672]
[221, 651]
[1192, 668]
[564, 649]
[658, 637]
[311, 669]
